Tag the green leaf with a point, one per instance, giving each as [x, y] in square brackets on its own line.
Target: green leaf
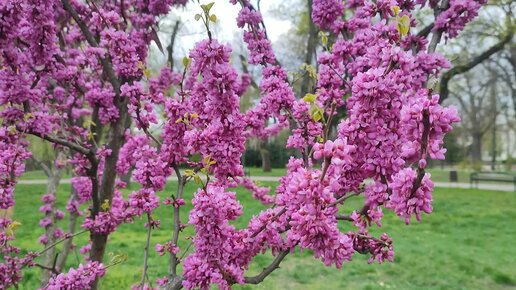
[310, 98]
[11, 228]
[395, 10]
[316, 112]
[105, 205]
[403, 25]
[189, 172]
[196, 157]
[186, 61]
[197, 17]
[324, 38]
[209, 5]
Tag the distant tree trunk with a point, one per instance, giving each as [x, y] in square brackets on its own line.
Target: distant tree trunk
[494, 112]
[266, 156]
[49, 257]
[311, 45]
[68, 243]
[476, 147]
[493, 151]
[126, 178]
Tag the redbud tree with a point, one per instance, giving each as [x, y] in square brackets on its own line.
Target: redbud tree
[73, 73]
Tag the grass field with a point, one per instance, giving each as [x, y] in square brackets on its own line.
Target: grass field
[467, 243]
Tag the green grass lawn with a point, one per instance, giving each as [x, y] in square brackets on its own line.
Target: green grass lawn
[467, 243]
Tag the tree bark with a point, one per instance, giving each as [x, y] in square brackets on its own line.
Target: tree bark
[476, 147]
[307, 82]
[266, 156]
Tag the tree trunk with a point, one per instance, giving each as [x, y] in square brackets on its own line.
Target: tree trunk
[105, 190]
[49, 257]
[311, 45]
[476, 148]
[266, 156]
[126, 178]
[493, 151]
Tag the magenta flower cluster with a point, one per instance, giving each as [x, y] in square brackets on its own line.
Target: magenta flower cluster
[80, 278]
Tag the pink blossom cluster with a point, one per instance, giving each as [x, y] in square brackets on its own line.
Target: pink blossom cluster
[259, 193]
[214, 259]
[14, 153]
[277, 97]
[49, 221]
[139, 106]
[219, 129]
[440, 120]
[168, 247]
[380, 250]
[308, 132]
[312, 218]
[406, 199]
[277, 93]
[452, 20]
[326, 14]
[80, 278]
[106, 221]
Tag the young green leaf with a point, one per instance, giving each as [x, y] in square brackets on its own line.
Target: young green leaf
[310, 98]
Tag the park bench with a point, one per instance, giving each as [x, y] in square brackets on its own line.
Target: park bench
[475, 177]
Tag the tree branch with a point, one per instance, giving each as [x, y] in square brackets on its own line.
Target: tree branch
[63, 142]
[146, 252]
[170, 47]
[174, 261]
[60, 241]
[268, 270]
[106, 63]
[460, 69]
[45, 168]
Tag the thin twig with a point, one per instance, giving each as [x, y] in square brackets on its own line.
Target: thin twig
[60, 241]
[146, 252]
[174, 261]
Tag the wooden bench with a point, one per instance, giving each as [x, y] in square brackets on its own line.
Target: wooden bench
[475, 177]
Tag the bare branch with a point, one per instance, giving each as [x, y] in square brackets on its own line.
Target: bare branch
[146, 252]
[174, 261]
[268, 270]
[63, 142]
[45, 168]
[343, 217]
[60, 241]
[460, 69]
[170, 47]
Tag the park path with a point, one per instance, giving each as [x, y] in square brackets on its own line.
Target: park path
[488, 186]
